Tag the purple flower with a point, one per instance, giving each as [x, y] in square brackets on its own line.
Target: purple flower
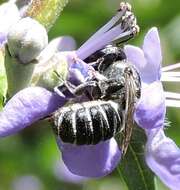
[99, 160]
[162, 155]
[31, 104]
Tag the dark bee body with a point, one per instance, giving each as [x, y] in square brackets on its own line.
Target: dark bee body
[112, 91]
[106, 115]
[89, 122]
[105, 57]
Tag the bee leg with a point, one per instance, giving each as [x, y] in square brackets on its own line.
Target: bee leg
[110, 87]
[86, 88]
[101, 64]
[104, 63]
[65, 89]
[72, 91]
[59, 92]
[96, 64]
[79, 90]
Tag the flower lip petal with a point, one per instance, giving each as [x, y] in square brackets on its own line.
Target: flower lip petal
[62, 173]
[163, 157]
[152, 53]
[136, 56]
[150, 110]
[26, 107]
[148, 60]
[91, 160]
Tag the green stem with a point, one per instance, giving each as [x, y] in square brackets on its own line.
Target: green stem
[46, 11]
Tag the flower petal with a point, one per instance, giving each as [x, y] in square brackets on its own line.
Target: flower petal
[163, 157]
[152, 53]
[65, 43]
[148, 60]
[47, 57]
[27, 106]
[79, 71]
[62, 173]
[150, 110]
[136, 56]
[91, 160]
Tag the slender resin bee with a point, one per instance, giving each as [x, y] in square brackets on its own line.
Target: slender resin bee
[109, 111]
[112, 93]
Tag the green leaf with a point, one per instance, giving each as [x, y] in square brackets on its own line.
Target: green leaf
[46, 11]
[133, 168]
[3, 79]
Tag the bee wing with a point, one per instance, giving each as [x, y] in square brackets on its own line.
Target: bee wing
[129, 113]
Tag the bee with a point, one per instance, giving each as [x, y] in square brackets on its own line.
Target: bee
[114, 91]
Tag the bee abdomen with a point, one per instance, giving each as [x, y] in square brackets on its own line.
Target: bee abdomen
[89, 122]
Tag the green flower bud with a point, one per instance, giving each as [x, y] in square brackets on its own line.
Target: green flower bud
[26, 39]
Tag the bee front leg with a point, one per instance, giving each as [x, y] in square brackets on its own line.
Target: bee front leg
[65, 90]
[72, 91]
[79, 90]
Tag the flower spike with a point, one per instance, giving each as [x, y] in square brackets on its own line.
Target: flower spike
[162, 154]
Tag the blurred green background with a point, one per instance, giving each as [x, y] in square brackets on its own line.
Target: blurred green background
[33, 152]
